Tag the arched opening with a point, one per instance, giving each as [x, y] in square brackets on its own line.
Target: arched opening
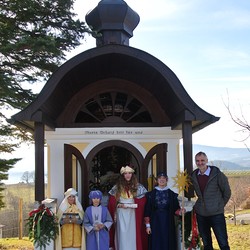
[105, 160]
[104, 169]
[101, 168]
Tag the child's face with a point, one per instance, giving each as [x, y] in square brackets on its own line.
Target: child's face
[96, 202]
[162, 181]
[127, 176]
[71, 199]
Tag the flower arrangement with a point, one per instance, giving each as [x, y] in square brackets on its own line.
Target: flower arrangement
[192, 237]
[43, 226]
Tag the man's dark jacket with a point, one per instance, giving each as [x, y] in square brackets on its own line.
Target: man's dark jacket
[216, 193]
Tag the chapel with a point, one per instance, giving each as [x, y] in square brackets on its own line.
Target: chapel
[107, 107]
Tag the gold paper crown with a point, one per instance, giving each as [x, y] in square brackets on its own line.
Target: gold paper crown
[126, 169]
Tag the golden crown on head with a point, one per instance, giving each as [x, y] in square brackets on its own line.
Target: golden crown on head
[126, 169]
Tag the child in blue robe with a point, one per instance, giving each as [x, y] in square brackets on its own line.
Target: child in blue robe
[97, 222]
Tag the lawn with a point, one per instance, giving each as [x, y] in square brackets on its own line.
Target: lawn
[239, 239]
[16, 244]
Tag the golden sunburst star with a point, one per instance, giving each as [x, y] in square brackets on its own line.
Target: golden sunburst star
[182, 181]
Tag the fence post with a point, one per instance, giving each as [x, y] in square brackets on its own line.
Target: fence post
[20, 218]
[1, 231]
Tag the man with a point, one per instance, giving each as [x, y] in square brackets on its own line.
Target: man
[213, 191]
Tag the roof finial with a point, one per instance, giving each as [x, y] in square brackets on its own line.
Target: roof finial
[114, 21]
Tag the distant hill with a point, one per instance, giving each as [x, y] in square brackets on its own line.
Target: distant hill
[226, 158]
[227, 165]
[223, 157]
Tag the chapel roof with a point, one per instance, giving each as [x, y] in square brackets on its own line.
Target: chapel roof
[113, 84]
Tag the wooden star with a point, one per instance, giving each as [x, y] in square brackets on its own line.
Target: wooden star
[182, 181]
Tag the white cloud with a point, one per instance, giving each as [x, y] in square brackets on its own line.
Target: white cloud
[218, 56]
[148, 10]
[232, 18]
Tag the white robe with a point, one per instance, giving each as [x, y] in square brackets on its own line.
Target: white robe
[125, 227]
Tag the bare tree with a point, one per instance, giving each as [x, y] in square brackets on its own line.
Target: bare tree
[239, 120]
[32, 177]
[28, 177]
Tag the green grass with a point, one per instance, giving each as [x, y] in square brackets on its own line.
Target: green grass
[16, 244]
[245, 211]
[239, 239]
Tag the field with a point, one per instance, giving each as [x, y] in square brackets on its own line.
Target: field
[19, 201]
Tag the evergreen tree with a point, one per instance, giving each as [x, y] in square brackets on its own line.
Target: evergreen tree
[35, 36]
[5, 165]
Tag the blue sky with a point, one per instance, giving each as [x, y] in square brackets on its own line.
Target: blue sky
[207, 45]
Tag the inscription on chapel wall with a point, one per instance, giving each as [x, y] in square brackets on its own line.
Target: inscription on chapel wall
[113, 132]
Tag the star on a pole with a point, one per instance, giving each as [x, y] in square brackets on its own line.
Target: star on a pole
[182, 181]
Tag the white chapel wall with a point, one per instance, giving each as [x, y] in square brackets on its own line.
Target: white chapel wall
[91, 137]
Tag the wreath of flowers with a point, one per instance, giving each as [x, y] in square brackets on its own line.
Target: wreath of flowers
[43, 226]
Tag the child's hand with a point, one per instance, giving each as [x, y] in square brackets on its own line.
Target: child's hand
[98, 227]
[148, 230]
[180, 211]
[120, 205]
